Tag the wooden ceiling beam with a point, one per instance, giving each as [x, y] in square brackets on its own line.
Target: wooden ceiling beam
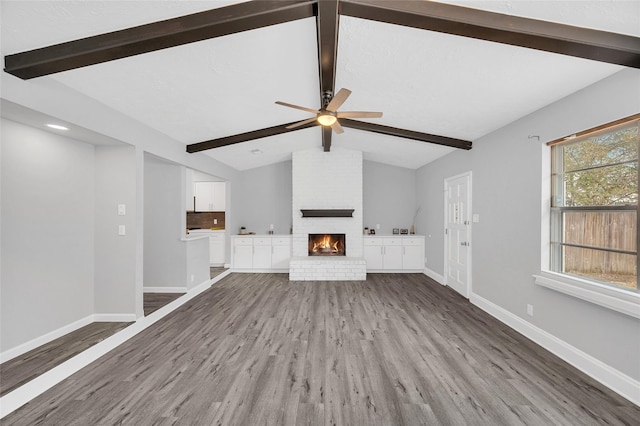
[248, 136]
[407, 134]
[547, 36]
[156, 36]
[327, 24]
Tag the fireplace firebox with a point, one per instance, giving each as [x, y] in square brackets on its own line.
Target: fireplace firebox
[327, 245]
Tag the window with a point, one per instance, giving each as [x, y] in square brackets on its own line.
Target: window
[594, 205]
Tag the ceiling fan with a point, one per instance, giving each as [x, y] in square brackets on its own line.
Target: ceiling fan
[329, 115]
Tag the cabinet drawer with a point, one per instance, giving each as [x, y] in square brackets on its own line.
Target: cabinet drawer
[281, 241]
[262, 241]
[216, 237]
[412, 241]
[243, 241]
[392, 242]
[372, 241]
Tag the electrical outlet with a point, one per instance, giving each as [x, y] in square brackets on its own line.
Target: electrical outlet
[530, 310]
[377, 226]
[215, 221]
[193, 278]
[122, 230]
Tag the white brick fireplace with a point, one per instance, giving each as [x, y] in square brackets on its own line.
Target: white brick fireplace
[327, 180]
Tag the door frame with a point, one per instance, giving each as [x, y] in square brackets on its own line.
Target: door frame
[469, 176]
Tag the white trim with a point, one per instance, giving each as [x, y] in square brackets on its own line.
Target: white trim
[615, 380]
[44, 339]
[114, 317]
[261, 271]
[434, 276]
[164, 289]
[25, 393]
[618, 300]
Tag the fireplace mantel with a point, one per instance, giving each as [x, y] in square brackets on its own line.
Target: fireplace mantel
[327, 212]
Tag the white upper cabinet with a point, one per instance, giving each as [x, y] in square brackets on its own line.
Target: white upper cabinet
[210, 196]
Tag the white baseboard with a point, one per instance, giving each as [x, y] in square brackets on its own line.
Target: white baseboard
[434, 275]
[114, 317]
[44, 339]
[615, 380]
[164, 289]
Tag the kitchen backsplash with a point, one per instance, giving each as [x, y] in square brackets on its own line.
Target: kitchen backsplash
[205, 220]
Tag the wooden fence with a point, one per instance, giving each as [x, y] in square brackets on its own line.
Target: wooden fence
[616, 230]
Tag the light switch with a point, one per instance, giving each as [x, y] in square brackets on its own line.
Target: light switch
[122, 230]
[122, 209]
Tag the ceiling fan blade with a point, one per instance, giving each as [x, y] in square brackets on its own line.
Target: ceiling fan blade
[312, 111]
[301, 123]
[359, 114]
[337, 127]
[338, 99]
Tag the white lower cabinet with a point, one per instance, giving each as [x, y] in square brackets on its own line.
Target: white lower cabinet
[280, 252]
[261, 253]
[216, 245]
[271, 252]
[413, 253]
[242, 252]
[383, 253]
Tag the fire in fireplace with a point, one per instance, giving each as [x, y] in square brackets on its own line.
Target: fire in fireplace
[327, 245]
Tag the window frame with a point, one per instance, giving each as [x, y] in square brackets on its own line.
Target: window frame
[617, 298]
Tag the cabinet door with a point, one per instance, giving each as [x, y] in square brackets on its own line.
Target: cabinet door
[262, 257]
[219, 196]
[204, 196]
[373, 256]
[243, 256]
[413, 257]
[280, 252]
[392, 257]
[216, 249]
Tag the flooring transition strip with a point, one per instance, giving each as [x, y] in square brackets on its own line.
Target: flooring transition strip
[30, 390]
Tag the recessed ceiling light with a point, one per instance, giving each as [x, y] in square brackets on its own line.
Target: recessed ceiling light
[57, 127]
[256, 151]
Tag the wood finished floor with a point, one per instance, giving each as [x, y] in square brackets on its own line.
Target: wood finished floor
[256, 349]
[28, 366]
[154, 301]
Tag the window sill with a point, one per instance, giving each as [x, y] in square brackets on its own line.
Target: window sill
[621, 301]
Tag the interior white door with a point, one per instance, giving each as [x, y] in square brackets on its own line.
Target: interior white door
[457, 233]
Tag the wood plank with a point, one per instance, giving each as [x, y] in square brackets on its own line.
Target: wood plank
[154, 301]
[26, 367]
[519, 31]
[394, 349]
[156, 36]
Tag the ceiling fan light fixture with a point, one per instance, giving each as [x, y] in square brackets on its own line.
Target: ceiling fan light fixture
[326, 119]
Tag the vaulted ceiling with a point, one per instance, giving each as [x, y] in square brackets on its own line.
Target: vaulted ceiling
[428, 66]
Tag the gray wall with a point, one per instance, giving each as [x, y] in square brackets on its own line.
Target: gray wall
[388, 197]
[164, 253]
[510, 193]
[115, 255]
[262, 196]
[47, 232]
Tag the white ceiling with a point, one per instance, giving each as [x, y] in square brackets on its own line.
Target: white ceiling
[424, 81]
